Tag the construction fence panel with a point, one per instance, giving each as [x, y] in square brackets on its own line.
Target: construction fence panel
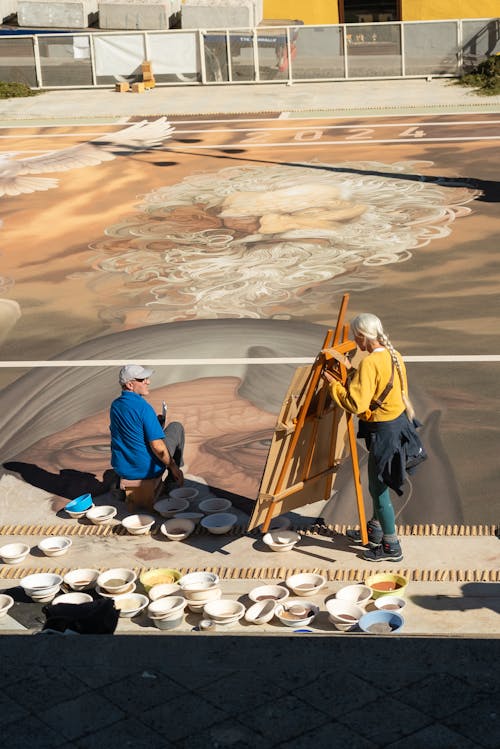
[374, 50]
[65, 60]
[431, 48]
[317, 52]
[480, 39]
[17, 60]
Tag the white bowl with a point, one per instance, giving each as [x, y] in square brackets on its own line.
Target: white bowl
[215, 504]
[166, 608]
[81, 579]
[281, 540]
[224, 611]
[138, 525]
[200, 578]
[296, 613]
[46, 597]
[187, 493]
[130, 604]
[162, 590]
[170, 506]
[219, 522]
[14, 553]
[357, 594]
[55, 547]
[177, 529]
[72, 598]
[345, 615]
[194, 516]
[106, 594]
[116, 581]
[268, 593]
[390, 603]
[101, 514]
[6, 602]
[261, 612]
[41, 584]
[203, 596]
[305, 583]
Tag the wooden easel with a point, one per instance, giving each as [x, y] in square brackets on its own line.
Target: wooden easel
[310, 437]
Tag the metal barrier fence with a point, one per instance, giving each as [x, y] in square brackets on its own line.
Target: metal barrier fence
[257, 55]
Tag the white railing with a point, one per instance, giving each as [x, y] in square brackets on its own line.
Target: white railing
[258, 55]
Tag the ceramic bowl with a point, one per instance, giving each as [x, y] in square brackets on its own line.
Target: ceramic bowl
[215, 504]
[81, 579]
[138, 525]
[14, 553]
[106, 594]
[55, 547]
[169, 623]
[158, 576]
[162, 590]
[198, 580]
[79, 506]
[281, 540]
[116, 581]
[357, 594]
[305, 583]
[170, 506]
[381, 622]
[387, 583]
[219, 522]
[72, 598]
[187, 493]
[296, 613]
[390, 603]
[130, 604]
[345, 615]
[203, 596]
[177, 529]
[268, 593]
[261, 612]
[102, 514]
[224, 611]
[41, 586]
[194, 516]
[167, 608]
[6, 602]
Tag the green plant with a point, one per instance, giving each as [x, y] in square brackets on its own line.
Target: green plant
[10, 90]
[485, 76]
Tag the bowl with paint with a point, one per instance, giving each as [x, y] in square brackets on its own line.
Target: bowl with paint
[224, 611]
[55, 547]
[101, 514]
[116, 580]
[215, 504]
[268, 593]
[381, 622]
[160, 575]
[386, 583]
[177, 529]
[357, 594]
[296, 613]
[79, 506]
[170, 506]
[390, 603]
[14, 553]
[130, 604]
[6, 602]
[344, 615]
[138, 525]
[305, 583]
[81, 579]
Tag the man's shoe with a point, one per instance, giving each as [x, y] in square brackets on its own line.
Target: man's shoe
[384, 553]
[375, 534]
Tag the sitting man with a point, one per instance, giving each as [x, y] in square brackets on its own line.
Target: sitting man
[140, 447]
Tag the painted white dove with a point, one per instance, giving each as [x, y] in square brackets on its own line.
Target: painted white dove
[16, 175]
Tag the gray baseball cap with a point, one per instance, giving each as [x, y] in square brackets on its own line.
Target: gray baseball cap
[133, 372]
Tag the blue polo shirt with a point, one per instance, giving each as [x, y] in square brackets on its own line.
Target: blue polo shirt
[133, 425]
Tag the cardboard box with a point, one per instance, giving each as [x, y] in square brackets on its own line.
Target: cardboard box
[138, 88]
[122, 86]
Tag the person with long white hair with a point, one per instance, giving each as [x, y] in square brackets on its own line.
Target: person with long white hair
[377, 393]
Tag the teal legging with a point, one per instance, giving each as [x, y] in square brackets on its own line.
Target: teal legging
[383, 510]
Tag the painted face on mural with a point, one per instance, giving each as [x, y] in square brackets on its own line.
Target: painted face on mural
[280, 239]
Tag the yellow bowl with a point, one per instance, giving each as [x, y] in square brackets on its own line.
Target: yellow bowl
[386, 583]
[157, 576]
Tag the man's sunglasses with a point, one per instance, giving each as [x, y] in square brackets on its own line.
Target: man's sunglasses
[140, 379]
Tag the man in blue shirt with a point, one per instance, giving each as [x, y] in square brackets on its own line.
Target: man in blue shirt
[140, 447]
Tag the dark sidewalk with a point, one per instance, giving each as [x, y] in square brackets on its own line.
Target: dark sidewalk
[206, 690]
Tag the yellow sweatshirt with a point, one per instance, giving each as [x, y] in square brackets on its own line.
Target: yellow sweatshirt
[370, 380]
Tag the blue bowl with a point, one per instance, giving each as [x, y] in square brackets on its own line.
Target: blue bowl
[80, 504]
[392, 618]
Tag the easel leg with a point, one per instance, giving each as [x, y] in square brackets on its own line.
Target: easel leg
[357, 480]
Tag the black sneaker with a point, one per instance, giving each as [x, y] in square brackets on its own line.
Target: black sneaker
[384, 553]
[375, 534]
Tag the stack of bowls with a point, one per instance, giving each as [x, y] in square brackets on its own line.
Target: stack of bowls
[41, 587]
[224, 611]
[344, 614]
[78, 507]
[14, 553]
[359, 595]
[55, 547]
[115, 582]
[199, 588]
[167, 613]
[162, 590]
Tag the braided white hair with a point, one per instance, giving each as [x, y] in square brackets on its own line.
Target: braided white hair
[371, 327]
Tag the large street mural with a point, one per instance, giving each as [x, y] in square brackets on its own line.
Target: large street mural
[133, 251]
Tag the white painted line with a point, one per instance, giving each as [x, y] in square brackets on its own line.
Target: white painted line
[405, 125]
[316, 143]
[34, 364]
